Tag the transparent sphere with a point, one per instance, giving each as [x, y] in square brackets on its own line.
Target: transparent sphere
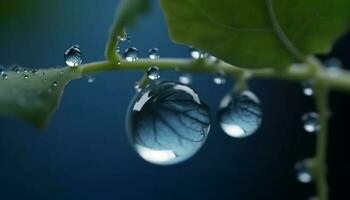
[131, 54]
[311, 122]
[167, 123]
[302, 171]
[73, 56]
[240, 114]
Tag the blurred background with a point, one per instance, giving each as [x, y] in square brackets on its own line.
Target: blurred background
[85, 154]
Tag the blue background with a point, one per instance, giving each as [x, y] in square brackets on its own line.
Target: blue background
[84, 152]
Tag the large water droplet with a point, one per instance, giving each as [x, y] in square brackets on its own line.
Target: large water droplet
[185, 79]
[131, 54]
[311, 122]
[73, 56]
[167, 123]
[153, 53]
[302, 171]
[308, 89]
[153, 73]
[240, 114]
[196, 53]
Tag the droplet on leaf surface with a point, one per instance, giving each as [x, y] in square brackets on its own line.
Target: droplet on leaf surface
[240, 114]
[167, 123]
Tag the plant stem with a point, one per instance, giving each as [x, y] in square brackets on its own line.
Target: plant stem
[297, 73]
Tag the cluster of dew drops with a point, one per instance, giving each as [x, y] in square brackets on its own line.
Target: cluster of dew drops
[311, 124]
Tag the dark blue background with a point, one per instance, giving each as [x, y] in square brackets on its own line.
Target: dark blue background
[84, 152]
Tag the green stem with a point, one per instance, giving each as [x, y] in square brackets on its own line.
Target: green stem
[296, 73]
[321, 97]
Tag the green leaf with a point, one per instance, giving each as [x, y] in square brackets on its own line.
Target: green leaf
[36, 97]
[258, 33]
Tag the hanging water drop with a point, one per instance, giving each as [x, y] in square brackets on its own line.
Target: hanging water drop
[153, 73]
[311, 122]
[308, 88]
[240, 114]
[73, 56]
[91, 79]
[333, 65]
[185, 79]
[153, 53]
[302, 170]
[196, 53]
[54, 84]
[131, 54]
[137, 87]
[167, 123]
[219, 79]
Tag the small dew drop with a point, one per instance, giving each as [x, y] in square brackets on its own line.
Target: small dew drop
[308, 89]
[196, 53]
[153, 73]
[240, 114]
[219, 79]
[131, 54]
[25, 76]
[73, 56]
[185, 79]
[302, 171]
[137, 87]
[153, 53]
[4, 76]
[91, 79]
[334, 65]
[54, 84]
[311, 122]
[118, 49]
[123, 37]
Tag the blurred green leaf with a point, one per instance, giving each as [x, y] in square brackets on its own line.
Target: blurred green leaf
[33, 98]
[258, 33]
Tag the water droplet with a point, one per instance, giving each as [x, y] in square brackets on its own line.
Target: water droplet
[185, 79]
[54, 84]
[219, 79]
[131, 54]
[33, 71]
[4, 76]
[91, 79]
[333, 65]
[129, 39]
[118, 49]
[196, 53]
[240, 114]
[25, 76]
[211, 58]
[153, 73]
[153, 53]
[137, 87]
[168, 123]
[311, 122]
[308, 88]
[123, 37]
[302, 171]
[73, 56]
